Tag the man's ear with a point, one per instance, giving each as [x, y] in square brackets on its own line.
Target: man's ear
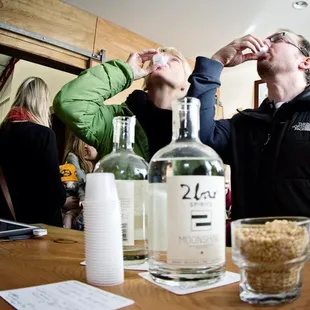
[305, 65]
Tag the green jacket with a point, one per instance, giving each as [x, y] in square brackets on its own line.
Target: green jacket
[80, 105]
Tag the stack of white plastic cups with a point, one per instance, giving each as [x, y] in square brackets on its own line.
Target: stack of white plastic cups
[103, 238]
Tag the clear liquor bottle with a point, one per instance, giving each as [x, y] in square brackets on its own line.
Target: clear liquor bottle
[186, 205]
[130, 171]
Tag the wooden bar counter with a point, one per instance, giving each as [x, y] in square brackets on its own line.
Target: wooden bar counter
[57, 256]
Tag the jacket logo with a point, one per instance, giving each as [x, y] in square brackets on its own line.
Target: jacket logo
[301, 127]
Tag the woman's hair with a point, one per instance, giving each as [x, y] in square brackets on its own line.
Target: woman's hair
[33, 95]
[173, 51]
[76, 146]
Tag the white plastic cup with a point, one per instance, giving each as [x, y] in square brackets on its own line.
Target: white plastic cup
[98, 205]
[159, 59]
[103, 237]
[100, 186]
[95, 214]
[263, 50]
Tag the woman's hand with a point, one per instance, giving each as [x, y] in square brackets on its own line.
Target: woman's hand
[71, 203]
[136, 61]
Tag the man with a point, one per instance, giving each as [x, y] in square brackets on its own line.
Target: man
[80, 103]
[268, 148]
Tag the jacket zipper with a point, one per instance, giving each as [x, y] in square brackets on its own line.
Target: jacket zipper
[267, 140]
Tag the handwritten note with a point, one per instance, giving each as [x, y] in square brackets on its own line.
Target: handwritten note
[230, 277]
[68, 295]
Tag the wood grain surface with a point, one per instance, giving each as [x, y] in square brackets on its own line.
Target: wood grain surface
[53, 19]
[57, 257]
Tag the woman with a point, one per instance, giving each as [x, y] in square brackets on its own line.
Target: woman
[28, 158]
[80, 103]
[83, 158]
[81, 154]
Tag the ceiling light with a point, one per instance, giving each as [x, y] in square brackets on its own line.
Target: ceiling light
[300, 5]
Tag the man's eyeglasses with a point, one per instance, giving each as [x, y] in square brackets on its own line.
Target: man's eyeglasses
[283, 36]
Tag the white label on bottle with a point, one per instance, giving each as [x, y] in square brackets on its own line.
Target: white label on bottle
[196, 220]
[140, 209]
[157, 215]
[132, 197]
[125, 191]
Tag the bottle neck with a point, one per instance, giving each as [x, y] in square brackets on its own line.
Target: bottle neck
[124, 133]
[186, 120]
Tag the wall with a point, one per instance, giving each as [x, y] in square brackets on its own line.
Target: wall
[60, 21]
[54, 20]
[55, 79]
[6, 91]
[5, 98]
[237, 89]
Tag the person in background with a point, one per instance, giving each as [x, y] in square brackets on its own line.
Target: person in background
[267, 148]
[75, 190]
[80, 103]
[79, 159]
[29, 158]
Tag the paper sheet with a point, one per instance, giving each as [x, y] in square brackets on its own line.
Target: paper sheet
[230, 277]
[68, 295]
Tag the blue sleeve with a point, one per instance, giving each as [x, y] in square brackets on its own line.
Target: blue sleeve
[205, 80]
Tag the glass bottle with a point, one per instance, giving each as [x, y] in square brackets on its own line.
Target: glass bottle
[186, 205]
[130, 171]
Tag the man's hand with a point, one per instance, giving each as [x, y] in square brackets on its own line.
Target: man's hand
[231, 55]
[136, 61]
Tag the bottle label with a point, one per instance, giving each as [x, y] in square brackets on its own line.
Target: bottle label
[140, 209]
[157, 214]
[132, 198]
[195, 220]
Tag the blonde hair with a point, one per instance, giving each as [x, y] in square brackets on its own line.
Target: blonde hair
[172, 51]
[76, 146]
[33, 95]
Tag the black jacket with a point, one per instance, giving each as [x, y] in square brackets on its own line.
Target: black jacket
[156, 122]
[30, 165]
[268, 150]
